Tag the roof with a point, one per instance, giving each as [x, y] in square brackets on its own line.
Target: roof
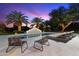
[11, 25]
[23, 24]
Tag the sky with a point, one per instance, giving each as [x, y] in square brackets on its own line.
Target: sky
[30, 9]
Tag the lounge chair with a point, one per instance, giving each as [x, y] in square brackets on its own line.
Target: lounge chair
[16, 41]
[62, 38]
[42, 42]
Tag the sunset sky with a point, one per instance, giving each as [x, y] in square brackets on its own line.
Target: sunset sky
[30, 9]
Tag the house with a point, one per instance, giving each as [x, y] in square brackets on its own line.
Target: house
[13, 26]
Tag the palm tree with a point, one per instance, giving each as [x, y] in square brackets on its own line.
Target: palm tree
[37, 21]
[18, 17]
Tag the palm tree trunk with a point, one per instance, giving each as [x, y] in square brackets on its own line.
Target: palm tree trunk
[19, 28]
[19, 25]
[37, 25]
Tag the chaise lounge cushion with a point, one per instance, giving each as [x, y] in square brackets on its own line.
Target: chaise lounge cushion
[62, 38]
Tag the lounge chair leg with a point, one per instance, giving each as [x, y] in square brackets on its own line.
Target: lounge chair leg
[22, 50]
[34, 45]
[48, 44]
[7, 50]
[26, 45]
[41, 49]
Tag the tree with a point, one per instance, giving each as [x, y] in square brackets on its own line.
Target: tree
[17, 17]
[37, 21]
[63, 17]
[56, 17]
[70, 15]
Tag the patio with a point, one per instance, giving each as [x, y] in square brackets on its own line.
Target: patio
[55, 48]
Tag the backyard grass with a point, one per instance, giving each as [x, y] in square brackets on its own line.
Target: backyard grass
[5, 33]
[9, 33]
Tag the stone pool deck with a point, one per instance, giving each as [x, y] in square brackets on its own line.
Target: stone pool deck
[55, 49]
